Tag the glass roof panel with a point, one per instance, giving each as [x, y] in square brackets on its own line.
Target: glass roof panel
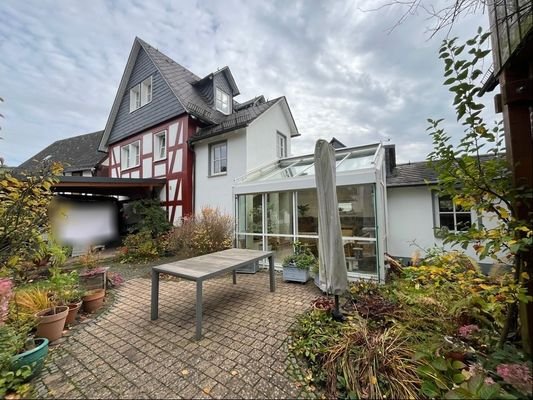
[347, 159]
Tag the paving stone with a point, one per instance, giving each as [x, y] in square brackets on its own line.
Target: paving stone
[243, 353]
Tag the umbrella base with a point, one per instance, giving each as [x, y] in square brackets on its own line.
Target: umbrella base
[336, 312]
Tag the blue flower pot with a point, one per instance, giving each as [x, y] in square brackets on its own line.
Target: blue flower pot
[34, 358]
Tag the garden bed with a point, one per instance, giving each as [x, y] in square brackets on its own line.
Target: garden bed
[432, 332]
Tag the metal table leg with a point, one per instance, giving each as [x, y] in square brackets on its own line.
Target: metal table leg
[155, 295]
[234, 276]
[271, 271]
[198, 310]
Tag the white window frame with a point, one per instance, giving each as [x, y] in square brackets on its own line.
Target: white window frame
[135, 98]
[219, 103]
[454, 212]
[146, 91]
[212, 160]
[157, 146]
[281, 145]
[139, 96]
[126, 156]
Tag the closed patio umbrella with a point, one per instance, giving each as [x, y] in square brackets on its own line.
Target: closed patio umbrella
[332, 270]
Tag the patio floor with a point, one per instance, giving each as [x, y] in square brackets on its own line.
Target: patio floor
[243, 354]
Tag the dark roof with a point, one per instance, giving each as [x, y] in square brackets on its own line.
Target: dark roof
[336, 143]
[229, 76]
[186, 87]
[418, 173]
[412, 174]
[76, 153]
[236, 120]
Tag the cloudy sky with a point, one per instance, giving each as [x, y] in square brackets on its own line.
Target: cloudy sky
[343, 72]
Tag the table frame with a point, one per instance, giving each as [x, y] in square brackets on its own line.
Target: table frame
[232, 259]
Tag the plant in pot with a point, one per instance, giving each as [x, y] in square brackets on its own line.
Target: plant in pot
[66, 291]
[296, 266]
[35, 303]
[93, 300]
[92, 276]
[21, 356]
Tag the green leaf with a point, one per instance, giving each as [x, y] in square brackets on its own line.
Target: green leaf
[449, 81]
[489, 391]
[458, 378]
[456, 364]
[429, 389]
[440, 364]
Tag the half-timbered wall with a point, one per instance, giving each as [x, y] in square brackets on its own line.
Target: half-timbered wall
[175, 168]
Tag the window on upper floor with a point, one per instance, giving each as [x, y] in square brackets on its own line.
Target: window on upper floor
[281, 141]
[141, 94]
[222, 101]
[218, 155]
[130, 155]
[160, 145]
[451, 216]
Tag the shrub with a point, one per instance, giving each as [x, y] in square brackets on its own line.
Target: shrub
[140, 247]
[208, 232]
[152, 218]
[24, 205]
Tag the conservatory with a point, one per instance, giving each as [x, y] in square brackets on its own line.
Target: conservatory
[276, 205]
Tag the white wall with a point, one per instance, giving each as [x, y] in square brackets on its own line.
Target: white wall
[410, 212]
[261, 146]
[217, 191]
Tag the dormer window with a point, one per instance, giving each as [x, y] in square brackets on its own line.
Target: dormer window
[141, 94]
[222, 101]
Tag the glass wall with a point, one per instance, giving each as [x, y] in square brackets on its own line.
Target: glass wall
[273, 221]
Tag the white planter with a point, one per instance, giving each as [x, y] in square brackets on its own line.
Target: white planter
[293, 274]
[251, 268]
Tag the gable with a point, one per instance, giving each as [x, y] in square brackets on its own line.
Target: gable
[222, 83]
[163, 106]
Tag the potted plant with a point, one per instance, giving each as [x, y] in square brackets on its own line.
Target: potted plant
[92, 276]
[296, 266]
[21, 355]
[93, 300]
[66, 290]
[51, 322]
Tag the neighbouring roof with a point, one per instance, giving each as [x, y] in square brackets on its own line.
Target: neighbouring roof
[418, 173]
[185, 86]
[412, 174]
[76, 153]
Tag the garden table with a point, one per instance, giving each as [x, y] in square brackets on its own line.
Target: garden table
[204, 267]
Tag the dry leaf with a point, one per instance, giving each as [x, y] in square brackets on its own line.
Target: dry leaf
[234, 372]
[185, 372]
[206, 390]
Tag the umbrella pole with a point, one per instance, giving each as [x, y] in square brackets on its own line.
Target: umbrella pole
[336, 313]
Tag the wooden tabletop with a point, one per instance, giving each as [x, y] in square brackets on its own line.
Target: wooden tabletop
[209, 265]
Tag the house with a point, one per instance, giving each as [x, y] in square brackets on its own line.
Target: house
[168, 123]
[79, 156]
[418, 218]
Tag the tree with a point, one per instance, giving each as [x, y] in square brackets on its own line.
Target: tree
[475, 173]
[445, 15]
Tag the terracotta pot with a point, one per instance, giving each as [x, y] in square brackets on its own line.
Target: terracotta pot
[72, 312]
[51, 322]
[93, 300]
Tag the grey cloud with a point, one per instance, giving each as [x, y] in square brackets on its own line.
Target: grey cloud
[343, 75]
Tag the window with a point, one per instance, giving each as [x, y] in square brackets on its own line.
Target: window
[222, 101]
[281, 145]
[130, 155]
[451, 216]
[160, 145]
[141, 94]
[219, 158]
